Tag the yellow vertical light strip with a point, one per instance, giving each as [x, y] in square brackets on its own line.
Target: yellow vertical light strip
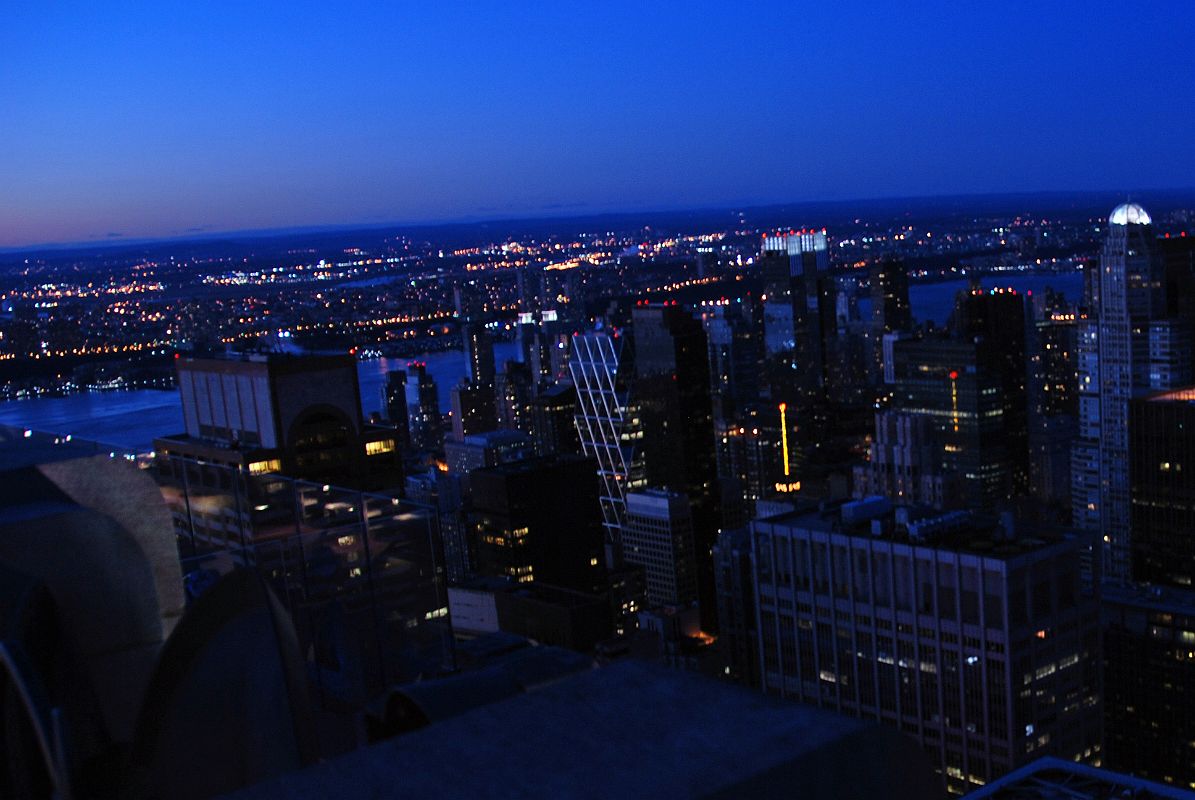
[954, 399]
[784, 436]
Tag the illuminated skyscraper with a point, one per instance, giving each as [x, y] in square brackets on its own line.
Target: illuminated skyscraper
[1126, 293]
[479, 353]
[608, 425]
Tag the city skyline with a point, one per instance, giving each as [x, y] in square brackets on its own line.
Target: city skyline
[163, 123]
[770, 400]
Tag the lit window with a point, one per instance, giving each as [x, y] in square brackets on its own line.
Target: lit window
[260, 467]
[379, 447]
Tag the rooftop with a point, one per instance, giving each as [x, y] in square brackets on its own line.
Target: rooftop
[497, 438]
[1129, 214]
[959, 531]
[627, 730]
[1154, 598]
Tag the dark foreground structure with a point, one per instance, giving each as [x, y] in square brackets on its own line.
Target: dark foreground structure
[628, 730]
[110, 688]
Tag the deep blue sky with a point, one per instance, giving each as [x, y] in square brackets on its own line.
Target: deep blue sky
[166, 118]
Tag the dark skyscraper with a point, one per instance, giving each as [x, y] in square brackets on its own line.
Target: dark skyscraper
[994, 319]
[1053, 351]
[513, 389]
[538, 520]
[672, 387]
[950, 382]
[423, 408]
[890, 309]
[738, 632]
[553, 420]
[1162, 475]
[1149, 682]
[394, 400]
[473, 409]
[735, 357]
[799, 313]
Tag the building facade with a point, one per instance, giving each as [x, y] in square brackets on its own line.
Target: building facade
[658, 536]
[975, 642]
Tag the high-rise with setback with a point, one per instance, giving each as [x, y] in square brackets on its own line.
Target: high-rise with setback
[1126, 291]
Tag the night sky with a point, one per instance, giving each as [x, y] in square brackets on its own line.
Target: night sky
[124, 120]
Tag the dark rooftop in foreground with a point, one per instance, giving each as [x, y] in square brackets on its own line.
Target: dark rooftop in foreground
[628, 730]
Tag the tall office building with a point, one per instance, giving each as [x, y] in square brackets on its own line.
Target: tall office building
[538, 520]
[734, 356]
[1126, 293]
[951, 383]
[973, 641]
[658, 536]
[394, 400]
[1149, 682]
[513, 390]
[1162, 481]
[479, 353]
[1053, 398]
[553, 420]
[994, 319]
[423, 408]
[799, 312]
[487, 449]
[672, 390]
[754, 456]
[890, 308]
[738, 634]
[473, 409]
[905, 463]
[609, 425]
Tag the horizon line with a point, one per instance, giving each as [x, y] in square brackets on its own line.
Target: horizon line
[568, 212]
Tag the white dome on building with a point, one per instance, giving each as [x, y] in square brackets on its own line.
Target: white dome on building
[1129, 214]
